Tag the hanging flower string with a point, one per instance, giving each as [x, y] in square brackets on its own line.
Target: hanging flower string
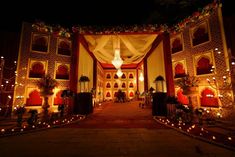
[146, 28]
[40, 26]
[60, 31]
[196, 16]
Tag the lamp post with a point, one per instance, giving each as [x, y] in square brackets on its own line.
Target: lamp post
[159, 81]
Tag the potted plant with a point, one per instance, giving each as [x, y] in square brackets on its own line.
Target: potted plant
[189, 84]
[19, 111]
[199, 113]
[33, 117]
[61, 110]
[46, 85]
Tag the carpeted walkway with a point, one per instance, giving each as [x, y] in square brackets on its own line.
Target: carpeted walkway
[119, 115]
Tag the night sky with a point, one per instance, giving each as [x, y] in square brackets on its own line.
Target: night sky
[108, 13]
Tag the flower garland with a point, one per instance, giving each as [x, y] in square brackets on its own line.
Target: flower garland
[146, 28]
[196, 16]
[40, 26]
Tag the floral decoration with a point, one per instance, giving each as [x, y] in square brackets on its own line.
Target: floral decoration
[57, 30]
[46, 85]
[187, 82]
[201, 13]
[149, 28]
[42, 27]
[146, 28]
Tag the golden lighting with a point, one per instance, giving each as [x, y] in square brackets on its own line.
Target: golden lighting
[119, 72]
[117, 61]
[141, 78]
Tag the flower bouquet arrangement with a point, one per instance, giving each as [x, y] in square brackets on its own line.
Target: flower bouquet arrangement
[188, 84]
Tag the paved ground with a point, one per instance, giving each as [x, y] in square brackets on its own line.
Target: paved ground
[109, 140]
[120, 115]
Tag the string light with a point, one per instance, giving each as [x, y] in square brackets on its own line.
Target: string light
[7, 83]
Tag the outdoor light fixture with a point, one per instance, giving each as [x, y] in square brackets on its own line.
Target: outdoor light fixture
[117, 61]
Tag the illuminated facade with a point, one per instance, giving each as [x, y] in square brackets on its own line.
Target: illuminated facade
[197, 48]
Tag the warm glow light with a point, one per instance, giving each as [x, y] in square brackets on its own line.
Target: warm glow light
[210, 95]
[119, 72]
[117, 61]
[141, 78]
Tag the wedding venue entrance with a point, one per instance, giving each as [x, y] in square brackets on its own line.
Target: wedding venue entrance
[122, 67]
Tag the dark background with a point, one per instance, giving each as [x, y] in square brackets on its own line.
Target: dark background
[113, 12]
[102, 13]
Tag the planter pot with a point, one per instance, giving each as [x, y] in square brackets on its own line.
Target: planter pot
[190, 91]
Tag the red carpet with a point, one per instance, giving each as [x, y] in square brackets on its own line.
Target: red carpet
[119, 115]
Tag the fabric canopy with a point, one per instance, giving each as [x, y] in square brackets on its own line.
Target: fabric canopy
[133, 48]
